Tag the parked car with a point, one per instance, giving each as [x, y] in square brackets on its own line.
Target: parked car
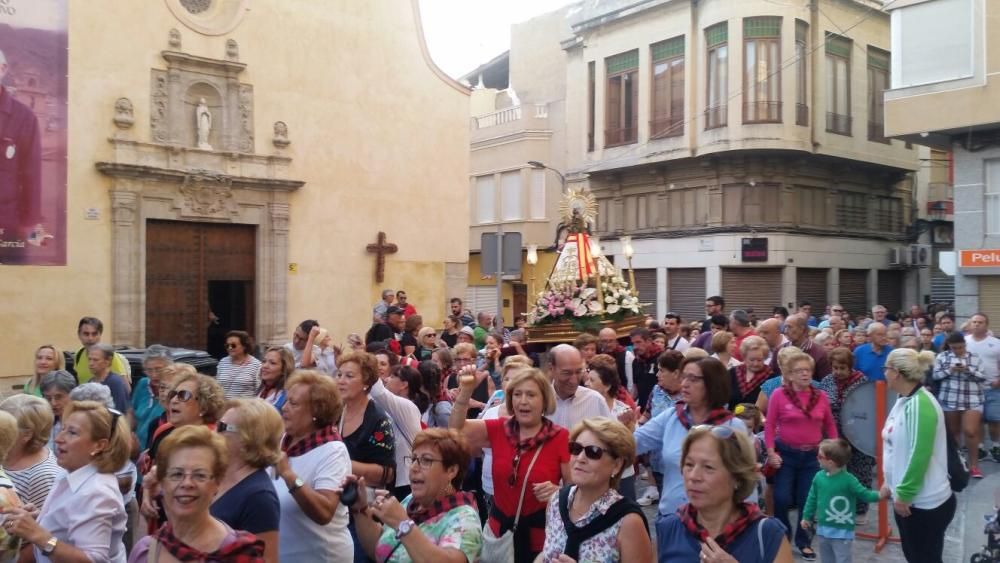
[201, 360]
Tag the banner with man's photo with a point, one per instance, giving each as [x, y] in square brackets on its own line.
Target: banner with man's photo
[33, 91]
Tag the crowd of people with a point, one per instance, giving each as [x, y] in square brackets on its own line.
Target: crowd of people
[468, 443]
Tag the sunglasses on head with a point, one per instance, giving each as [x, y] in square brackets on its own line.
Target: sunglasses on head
[223, 427]
[115, 415]
[720, 432]
[183, 395]
[592, 452]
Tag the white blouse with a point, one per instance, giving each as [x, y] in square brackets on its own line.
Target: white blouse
[85, 509]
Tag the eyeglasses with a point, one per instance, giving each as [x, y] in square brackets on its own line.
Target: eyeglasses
[231, 346]
[424, 461]
[838, 310]
[692, 378]
[432, 335]
[178, 475]
[720, 432]
[223, 427]
[115, 415]
[183, 395]
[592, 452]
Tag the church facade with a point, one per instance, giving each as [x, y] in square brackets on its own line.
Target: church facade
[234, 160]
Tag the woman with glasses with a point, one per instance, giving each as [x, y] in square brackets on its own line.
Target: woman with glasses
[246, 499]
[748, 377]
[274, 372]
[30, 464]
[704, 394]
[364, 427]
[427, 339]
[530, 455]
[56, 386]
[191, 465]
[47, 358]
[309, 474]
[927, 340]
[145, 394]
[916, 458]
[239, 372]
[83, 518]
[437, 522]
[614, 527]
[798, 419]
[718, 524]
[465, 355]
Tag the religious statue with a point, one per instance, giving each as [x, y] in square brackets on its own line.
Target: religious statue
[204, 122]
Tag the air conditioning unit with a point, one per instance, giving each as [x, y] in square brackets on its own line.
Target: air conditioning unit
[898, 256]
[919, 255]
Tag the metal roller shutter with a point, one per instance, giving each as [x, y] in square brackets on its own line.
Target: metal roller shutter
[942, 285]
[687, 293]
[645, 284]
[854, 291]
[890, 290]
[810, 284]
[989, 297]
[755, 288]
[480, 298]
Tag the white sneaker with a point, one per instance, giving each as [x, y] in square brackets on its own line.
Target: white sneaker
[648, 497]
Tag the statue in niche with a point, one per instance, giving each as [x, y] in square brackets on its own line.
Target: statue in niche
[204, 121]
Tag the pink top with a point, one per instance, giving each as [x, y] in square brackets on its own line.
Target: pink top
[787, 422]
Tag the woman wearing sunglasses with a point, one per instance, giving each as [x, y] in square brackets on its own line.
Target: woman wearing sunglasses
[239, 372]
[613, 527]
[530, 454]
[437, 522]
[83, 518]
[704, 395]
[246, 499]
[190, 465]
[718, 524]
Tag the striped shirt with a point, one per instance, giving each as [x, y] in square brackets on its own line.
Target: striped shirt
[239, 381]
[960, 390]
[33, 483]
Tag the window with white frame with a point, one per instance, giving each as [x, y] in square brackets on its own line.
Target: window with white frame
[934, 42]
[510, 195]
[486, 207]
[992, 207]
[537, 197]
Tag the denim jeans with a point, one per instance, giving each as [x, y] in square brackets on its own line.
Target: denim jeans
[791, 487]
[834, 550]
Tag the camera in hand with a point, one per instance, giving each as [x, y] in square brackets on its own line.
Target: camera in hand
[349, 495]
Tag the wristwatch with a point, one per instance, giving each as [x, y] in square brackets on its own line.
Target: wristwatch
[296, 485]
[405, 527]
[50, 546]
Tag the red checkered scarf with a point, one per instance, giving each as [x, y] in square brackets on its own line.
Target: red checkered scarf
[246, 548]
[793, 397]
[845, 384]
[747, 387]
[748, 514]
[420, 514]
[310, 442]
[715, 416]
[513, 431]
[653, 352]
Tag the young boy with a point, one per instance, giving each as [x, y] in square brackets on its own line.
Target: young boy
[832, 501]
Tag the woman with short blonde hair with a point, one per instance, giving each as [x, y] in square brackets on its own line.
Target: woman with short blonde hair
[48, 358]
[30, 463]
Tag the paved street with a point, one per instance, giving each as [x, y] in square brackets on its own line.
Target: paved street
[964, 537]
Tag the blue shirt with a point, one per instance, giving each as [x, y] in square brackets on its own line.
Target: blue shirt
[119, 391]
[869, 363]
[675, 544]
[250, 505]
[146, 409]
[665, 433]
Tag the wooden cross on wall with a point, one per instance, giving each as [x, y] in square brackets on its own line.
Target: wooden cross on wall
[380, 249]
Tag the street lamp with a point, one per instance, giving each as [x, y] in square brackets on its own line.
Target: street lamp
[542, 166]
[532, 260]
[629, 252]
[595, 254]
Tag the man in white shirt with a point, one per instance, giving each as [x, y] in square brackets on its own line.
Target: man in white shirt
[672, 328]
[573, 403]
[298, 344]
[980, 342]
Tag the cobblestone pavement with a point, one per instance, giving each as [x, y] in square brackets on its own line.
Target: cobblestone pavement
[963, 538]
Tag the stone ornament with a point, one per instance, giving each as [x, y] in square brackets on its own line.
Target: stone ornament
[174, 39]
[203, 118]
[281, 135]
[206, 194]
[124, 114]
[209, 17]
[232, 50]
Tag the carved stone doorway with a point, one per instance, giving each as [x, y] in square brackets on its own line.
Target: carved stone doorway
[193, 269]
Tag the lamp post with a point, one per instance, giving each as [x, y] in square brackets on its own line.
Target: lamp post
[542, 166]
[629, 252]
[532, 260]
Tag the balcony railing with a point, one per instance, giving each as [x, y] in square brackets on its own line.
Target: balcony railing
[716, 116]
[620, 136]
[801, 114]
[663, 127]
[762, 112]
[876, 132]
[838, 123]
[510, 115]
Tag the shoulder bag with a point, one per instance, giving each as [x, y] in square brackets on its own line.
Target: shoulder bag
[501, 550]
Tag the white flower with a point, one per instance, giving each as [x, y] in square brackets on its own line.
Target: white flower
[612, 309]
[594, 306]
